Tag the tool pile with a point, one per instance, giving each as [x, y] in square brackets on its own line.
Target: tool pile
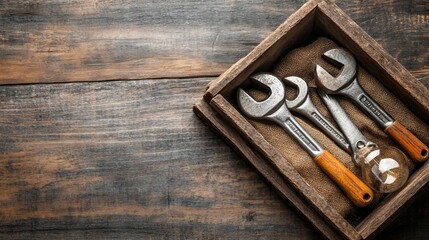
[383, 169]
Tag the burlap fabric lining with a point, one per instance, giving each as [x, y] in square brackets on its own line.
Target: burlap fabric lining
[301, 62]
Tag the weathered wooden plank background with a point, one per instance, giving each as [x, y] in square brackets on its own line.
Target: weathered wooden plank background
[128, 159]
[61, 41]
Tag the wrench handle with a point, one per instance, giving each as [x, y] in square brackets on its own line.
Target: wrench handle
[357, 191]
[415, 148]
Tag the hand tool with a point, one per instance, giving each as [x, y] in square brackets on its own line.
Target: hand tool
[384, 169]
[274, 108]
[346, 84]
[303, 105]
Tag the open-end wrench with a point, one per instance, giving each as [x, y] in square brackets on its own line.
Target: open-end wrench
[274, 108]
[303, 105]
[346, 84]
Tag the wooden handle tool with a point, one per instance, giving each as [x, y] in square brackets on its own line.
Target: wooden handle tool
[357, 191]
[417, 150]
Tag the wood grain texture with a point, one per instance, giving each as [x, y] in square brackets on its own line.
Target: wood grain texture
[263, 56]
[213, 119]
[61, 41]
[284, 167]
[65, 41]
[330, 20]
[380, 217]
[94, 161]
[418, 151]
[128, 158]
[401, 27]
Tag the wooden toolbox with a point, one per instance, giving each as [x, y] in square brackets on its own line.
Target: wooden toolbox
[317, 18]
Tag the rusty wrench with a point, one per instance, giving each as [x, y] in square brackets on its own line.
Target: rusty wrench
[346, 84]
[303, 105]
[274, 108]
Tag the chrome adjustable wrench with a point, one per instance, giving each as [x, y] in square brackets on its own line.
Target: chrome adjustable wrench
[274, 108]
[346, 84]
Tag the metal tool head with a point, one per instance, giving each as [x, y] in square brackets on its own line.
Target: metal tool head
[272, 85]
[302, 95]
[340, 58]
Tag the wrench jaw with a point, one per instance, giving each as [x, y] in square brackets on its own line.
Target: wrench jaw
[302, 87]
[302, 102]
[262, 109]
[339, 58]
[274, 109]
[326, 81]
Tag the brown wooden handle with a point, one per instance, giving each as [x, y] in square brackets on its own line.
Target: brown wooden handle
[357, 191]
[415, 148]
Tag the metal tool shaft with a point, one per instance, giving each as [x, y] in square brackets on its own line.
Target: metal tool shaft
[355, 92]
[283, 117]
[356, 139]
[303, 105]
[309, 111]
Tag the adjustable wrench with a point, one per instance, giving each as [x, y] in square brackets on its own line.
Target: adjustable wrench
[274, 108]
[303, 105]
[346, 84]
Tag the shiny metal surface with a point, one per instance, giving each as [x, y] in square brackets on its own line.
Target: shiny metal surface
[303, 105]
[274, 108]
[267, 83]
[342, 59]
[356, 139]
[346, 84]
